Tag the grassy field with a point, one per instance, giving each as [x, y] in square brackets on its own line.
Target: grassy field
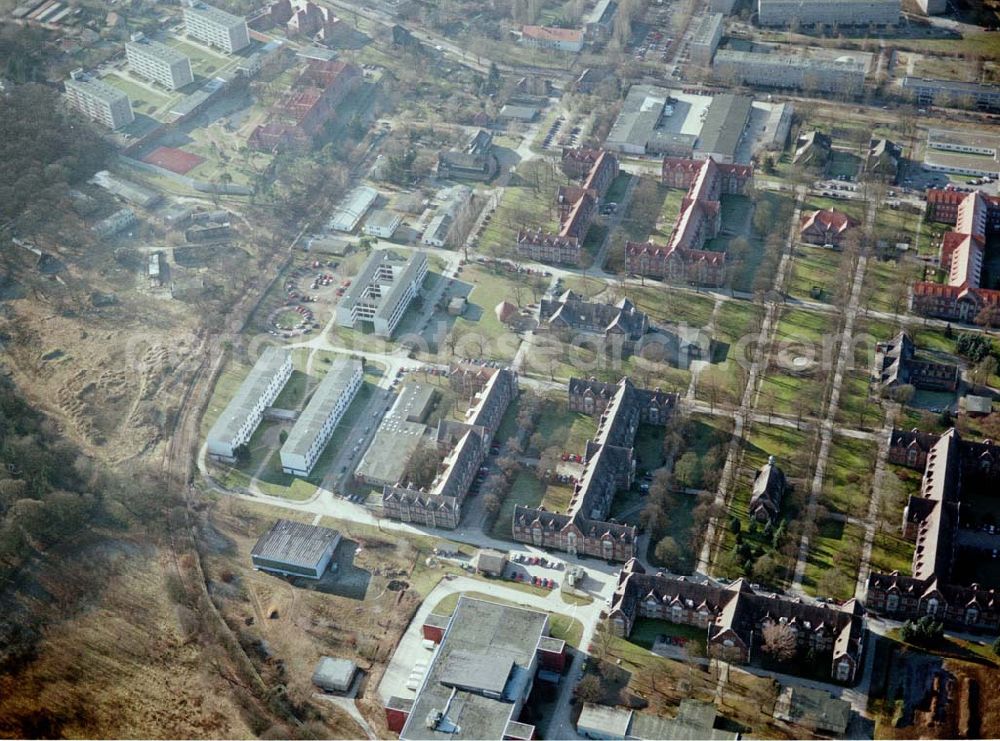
[529, 201]
[525, 490]
[832, 563]
[847, 480]
[479, 333]
[816, 273]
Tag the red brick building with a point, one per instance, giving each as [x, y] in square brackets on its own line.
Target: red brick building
[683, 258]
[949, 538]
[577, 206]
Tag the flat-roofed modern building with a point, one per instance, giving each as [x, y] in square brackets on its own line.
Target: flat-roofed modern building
[722, 132]
[239, 420]
[480, 676]
[953, 93]
[382, 290]
[777, 70]
[707, 34]
[98, 100]
[834, 13]
[216, 27]
[295, 549]
[158, 62]
[312, 430]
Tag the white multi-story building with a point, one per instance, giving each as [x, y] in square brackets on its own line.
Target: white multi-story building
[313, 428]
[216, 27]
[834, 13]
[382, 290]
[158, 62]
[706, 38]
[450, 224]
[98, 100]
[239, 420]
[844, 75]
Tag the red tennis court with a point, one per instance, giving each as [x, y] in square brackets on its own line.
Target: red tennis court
[175, 160]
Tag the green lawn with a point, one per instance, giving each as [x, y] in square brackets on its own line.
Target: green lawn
[816, 273]
[557, 497]
[525, 490]
[832, 563]
[478, 331]
[645, 632]
[665, 305]
[529, 201]
[847, 479]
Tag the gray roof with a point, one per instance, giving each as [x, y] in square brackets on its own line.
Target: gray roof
[694, 722]
[323, 400]
[813, 707]
[352, 207]
[519, 112]
[706, 29]
[605, 719]
[155, 49]
[403, 272]
[383, 218]
[216, 15]
[334, 674]
[398, 436]
[96, 88]
[247, 395]
[640, 114]
[789, 60]
[295, 543]
[500, 641]
[724, 122]
[952, 86]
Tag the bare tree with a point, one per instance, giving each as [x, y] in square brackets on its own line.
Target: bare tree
[779, 641]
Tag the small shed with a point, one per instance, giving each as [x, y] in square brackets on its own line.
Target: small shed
[977, 406]
[334, 675]
[603, 721]
[456, 307]
[491, 562]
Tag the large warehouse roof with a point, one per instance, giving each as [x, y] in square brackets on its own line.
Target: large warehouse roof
[295, 543]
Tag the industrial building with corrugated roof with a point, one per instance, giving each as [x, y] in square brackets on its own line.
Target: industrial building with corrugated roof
[295, 549]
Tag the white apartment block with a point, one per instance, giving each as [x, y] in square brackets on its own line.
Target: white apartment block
[99, 101]
[835, 13]
[382, 290]
[242, 415]
[315, 426]
[706, 38]
[216, 27]
[158, 63]
[789, 71]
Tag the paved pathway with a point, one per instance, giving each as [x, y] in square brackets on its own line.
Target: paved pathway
[746, 404]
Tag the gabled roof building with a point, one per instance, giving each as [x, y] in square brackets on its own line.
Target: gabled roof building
[609, 466]
[976, 217]
[896, 365]
[734, 615]
[683, 258]
[940, 583]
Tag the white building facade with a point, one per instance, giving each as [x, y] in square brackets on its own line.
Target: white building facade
[216, 27]
[241, 417]
[99, 101]
[315, 426]
[382, 291]
[159, 63]
[782, 13]
[776, 70]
